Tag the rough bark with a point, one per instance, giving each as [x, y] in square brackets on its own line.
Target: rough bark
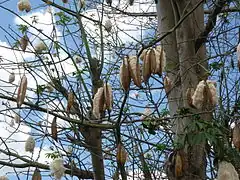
[183, 67]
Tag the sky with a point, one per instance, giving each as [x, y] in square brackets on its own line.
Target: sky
[123, 25]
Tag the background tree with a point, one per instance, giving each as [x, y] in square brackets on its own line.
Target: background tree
[62, 55]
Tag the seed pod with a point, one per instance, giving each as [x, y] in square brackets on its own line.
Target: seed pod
[167, 84]
[226, 171]
[130, 2]
[11, 77]
[238, 56]
[17, 118]
[198, 96]
[40, 47]
[121, 154]
[22, 91]
[108, 25]
[143, 54]
[109, 2]
[3, 178]
[147, 66]
[24, 5]
[160, 60]
[54, 128]
[178, 165]
[81, 4]
[77, 59]
[108, 97]
[189, 94]
[124, 73]
[12, 123]
[57, 168]
[65, 1]
[236, 136]
[153, 61]
[24, 42]
[30, 144]
[98, 103]
[49, 87]
[70, 101]
[212, 92]
[36, 175]
[135, 70]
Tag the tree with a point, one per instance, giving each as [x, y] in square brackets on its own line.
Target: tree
[92, 115]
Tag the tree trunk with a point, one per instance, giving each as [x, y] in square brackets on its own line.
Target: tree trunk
[184, 69]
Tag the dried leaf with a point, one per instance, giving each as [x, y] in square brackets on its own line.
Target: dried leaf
[135, 70]
[36, 175]
[121, 154]
[22, 91]
[124, 74]
[54, 128]
[108, 97]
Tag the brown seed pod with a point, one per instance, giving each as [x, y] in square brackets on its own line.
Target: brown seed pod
[65, 1]
[36, 175]
[143, 54]
[153, 61]
[238, 56]
[121, 154]
[17, 118]
[167, 84]
[212, 92]
[70, 101]
[135, 70]
[189, 94]
[30, 144]
[3, 178]
[226, 171]
[22, 91]
[24, 5]
[198, 96]
[24, 42]
[98, 103]
[160, 60]
[147, 66]
[178, 165]
[124, 73]
[11, 77]
[236, 136]
[108, 97]
[54, 128]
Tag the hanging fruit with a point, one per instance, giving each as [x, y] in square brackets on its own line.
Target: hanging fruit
[54, 128]
[40, 47]
[36, 175]
[108, 97]
[147, 59]
[22, 91]
[57, 168]
[167, 82]
[108, 25]
[125, 77]
[135, 70]
[24, 5]
[121, 154]
[189, 94]
[70, 101]
[178, 165]
[160, 60]
[212, 92]
[24, 42]
[98, 103]
[65, 1]
[17, 118]
[11, 77]
[236, 136]
[198, 96]
[30, 144]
